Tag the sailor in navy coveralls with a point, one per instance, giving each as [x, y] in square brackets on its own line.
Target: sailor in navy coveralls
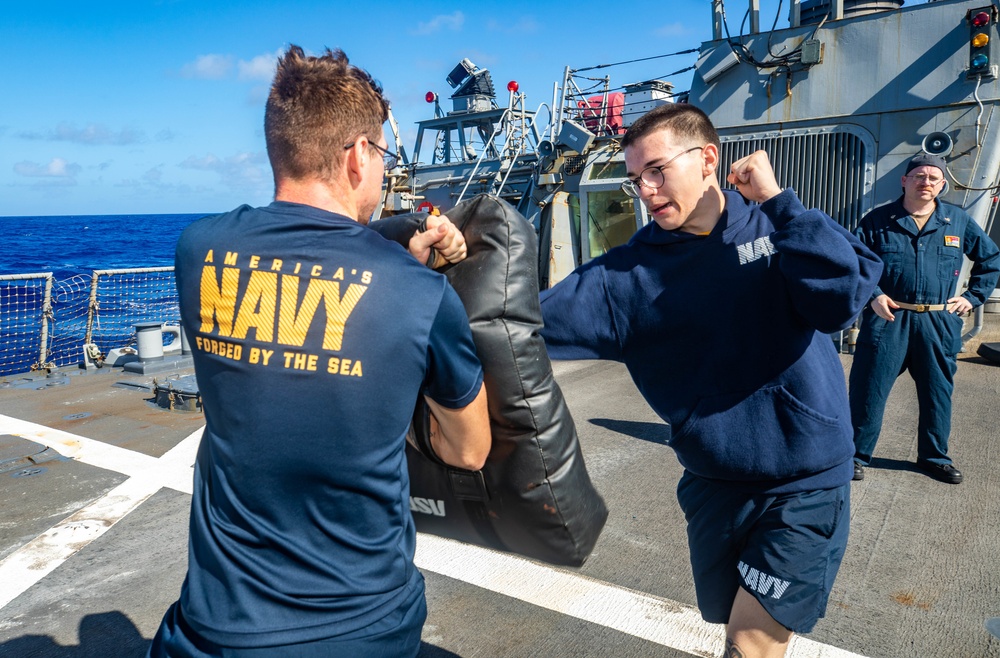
[914, 319]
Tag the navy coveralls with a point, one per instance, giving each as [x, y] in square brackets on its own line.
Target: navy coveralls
[920, 268]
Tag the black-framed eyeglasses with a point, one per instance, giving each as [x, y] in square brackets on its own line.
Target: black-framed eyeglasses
[389, 159]
[651, 177]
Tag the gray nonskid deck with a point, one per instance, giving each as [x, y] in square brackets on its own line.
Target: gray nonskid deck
[919, 578]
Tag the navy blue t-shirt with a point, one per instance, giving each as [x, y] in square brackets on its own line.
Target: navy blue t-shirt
[313, 337]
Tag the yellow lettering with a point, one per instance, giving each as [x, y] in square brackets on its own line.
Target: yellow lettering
[316, 270]
[345, 366]
[218, 302]
[231, 257]
[276, 265]
[288, 358]
[294, 324]
[197, 341]
[254, 261]
[311, 363]
[333, 365]
[237, 351]
[339, 274]
[298, 266]
[356, 370]
[366, 277]
[210, 256]
[257, 307]
[258, 355]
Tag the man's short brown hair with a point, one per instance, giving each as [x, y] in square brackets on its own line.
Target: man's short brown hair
[316, 107]
[684, 121]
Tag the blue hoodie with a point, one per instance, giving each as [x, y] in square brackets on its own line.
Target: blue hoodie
[725, 337]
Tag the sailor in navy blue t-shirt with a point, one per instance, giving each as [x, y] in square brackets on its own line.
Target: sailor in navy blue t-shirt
[719, 309]
[313, 339]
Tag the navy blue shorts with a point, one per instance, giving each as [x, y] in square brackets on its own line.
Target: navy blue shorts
[784, 549]
[398, 635]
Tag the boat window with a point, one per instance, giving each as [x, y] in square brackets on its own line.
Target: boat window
[602, 171]
[573, 201]
[611, 216]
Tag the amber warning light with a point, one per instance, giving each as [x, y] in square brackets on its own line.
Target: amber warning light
[512, 86]
[430, 97]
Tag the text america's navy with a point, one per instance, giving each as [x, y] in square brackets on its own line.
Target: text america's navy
[732, 351]
[313, 337]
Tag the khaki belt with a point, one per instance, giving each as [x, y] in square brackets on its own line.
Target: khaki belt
[922, 308]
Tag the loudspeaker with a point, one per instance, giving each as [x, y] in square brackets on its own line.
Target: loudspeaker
[938, 144]
[546, 148]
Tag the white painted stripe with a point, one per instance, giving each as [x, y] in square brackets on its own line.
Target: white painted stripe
[39, 557]
[30, 563]
[642, 615]
[649, 617]
[82, 449]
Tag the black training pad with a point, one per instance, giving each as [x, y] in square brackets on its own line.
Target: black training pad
[538, 499]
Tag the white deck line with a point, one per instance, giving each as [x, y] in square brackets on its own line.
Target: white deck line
[642, 615]
[20, 570]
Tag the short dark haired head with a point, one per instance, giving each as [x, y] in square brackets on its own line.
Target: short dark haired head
[316, 107]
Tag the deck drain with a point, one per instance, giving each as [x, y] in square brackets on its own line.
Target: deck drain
[77, 416]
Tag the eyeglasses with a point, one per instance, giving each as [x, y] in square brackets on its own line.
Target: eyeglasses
[651, 177]
[924, 178]
[389, 159]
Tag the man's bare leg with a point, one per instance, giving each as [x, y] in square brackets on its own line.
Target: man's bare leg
[752, 632]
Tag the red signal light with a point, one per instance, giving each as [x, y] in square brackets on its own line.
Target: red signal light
[980, 19]
[512, 86]
[430, 97]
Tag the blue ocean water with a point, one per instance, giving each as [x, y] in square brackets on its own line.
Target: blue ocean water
[71, 248]
[79, 244]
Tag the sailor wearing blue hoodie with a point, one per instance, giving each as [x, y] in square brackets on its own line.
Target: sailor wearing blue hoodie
[748, 380]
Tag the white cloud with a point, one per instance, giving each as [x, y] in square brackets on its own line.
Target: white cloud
[523, 25]
[243, 171]
[91, 134]
[208, 67]
[154, 175]
[441, 22]
[56, 168]
[261, 67]
[673, 30]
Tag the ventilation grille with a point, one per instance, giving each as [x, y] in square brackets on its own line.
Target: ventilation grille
[826, 167]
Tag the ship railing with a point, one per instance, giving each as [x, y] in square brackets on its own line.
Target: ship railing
[514, 122]
[46, 324]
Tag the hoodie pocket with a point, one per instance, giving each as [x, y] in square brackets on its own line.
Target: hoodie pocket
[768, 434]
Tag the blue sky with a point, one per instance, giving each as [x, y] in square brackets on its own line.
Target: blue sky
[157, 106]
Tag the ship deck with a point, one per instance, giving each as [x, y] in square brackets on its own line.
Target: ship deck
[97, 480]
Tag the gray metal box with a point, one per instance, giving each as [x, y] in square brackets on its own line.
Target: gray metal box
[643, 97]
[575, 137]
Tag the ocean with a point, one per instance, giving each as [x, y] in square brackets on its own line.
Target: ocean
[71, 248]
[78, 244]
